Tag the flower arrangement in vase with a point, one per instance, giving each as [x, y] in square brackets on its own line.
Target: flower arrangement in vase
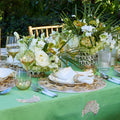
[41, 54]
[88, 35]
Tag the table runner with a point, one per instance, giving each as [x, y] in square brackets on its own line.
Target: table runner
[67, 106]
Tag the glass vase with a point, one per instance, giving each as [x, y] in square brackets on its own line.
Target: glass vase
[114, 57]
[104, 60]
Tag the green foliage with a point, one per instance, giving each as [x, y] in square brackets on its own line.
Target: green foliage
[17, 15]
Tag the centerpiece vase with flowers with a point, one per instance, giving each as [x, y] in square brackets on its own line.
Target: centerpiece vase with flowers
[86, 36]
[85, 41]
[40, 55]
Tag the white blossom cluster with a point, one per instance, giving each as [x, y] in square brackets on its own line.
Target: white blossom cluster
[42, 59]
[108, 39]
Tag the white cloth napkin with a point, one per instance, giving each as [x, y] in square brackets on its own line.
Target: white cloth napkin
[6, 72]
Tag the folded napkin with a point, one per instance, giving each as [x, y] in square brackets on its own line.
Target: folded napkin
[84, 77]
[65, 75]
[69, 76]
[6, 72]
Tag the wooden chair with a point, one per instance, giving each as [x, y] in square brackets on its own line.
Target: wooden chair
[47, 29]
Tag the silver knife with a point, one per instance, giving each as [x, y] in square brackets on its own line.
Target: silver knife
[43, 90]
[111, 79]
[47, 92]
[114, 80]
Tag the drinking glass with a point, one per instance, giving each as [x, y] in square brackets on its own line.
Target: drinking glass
[104, 61]
[22, 79]
[12, 46]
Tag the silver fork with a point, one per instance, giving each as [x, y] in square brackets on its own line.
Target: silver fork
[44, 91]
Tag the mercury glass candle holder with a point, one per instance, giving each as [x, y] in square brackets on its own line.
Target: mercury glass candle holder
[22, 79]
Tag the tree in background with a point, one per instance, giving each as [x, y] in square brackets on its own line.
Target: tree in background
[17, 15]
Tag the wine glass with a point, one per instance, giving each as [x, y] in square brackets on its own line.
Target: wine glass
[12, 46]
[26, 61]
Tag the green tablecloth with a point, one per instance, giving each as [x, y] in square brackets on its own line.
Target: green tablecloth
[67, 106]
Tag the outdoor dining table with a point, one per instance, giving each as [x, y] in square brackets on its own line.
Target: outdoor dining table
[66, 106]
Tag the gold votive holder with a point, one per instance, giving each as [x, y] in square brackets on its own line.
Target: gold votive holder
[22, 79]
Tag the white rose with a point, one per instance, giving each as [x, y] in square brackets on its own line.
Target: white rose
[41, 44]
[42, 59]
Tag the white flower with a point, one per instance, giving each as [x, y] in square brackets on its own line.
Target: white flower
[87, 28]
[53, 65]
[74, 42]
[47, 40]
[110, 36]
[41, 44]
[53, 32]
[84, 21]
[33, 44]
[73, 15]
[61, 19]
[42, 59]
[23, 46]
[43, 35]
[89, 14]
[16, 35]
[104, 36]
[113, 42]
[56, 59]
[70, 31]
[56, 50]
[88, 34]
[97, 21]
[51, 40]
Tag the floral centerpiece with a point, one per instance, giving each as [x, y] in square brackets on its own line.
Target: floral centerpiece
[40, 54]
[89, 34]
[85, 33]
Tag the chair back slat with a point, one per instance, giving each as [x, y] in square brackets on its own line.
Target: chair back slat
[41, 30]
[47, 29]
[37, 32]
[46, 32]
[51, 30]
[56, 29]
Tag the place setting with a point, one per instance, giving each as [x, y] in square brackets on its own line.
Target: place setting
[69, 81]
